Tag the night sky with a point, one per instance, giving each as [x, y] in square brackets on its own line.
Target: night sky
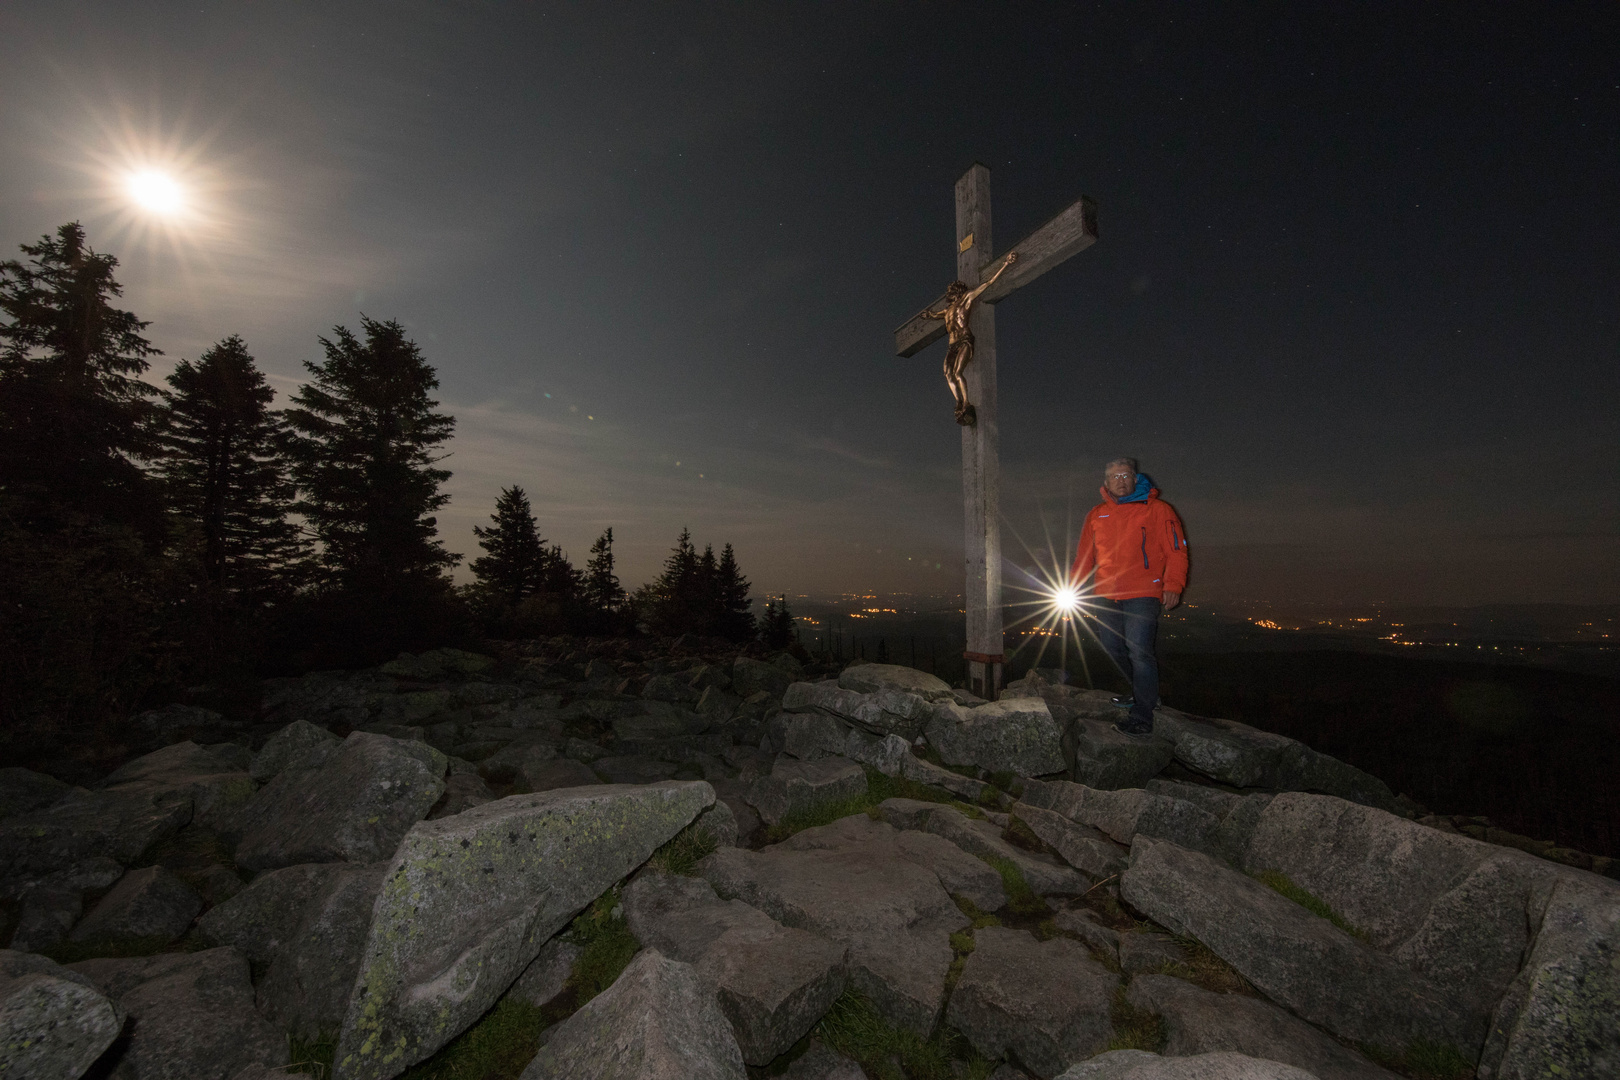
[1356, 304]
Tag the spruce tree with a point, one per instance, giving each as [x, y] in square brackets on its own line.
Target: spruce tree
[777, 630]
[74, 414]
[666, 602]
[704, 596]
[225, 473]
[362, 447]
[515, 567]
[733, 620]
[603, 593]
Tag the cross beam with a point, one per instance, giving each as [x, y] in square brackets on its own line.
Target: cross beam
[1069, 233]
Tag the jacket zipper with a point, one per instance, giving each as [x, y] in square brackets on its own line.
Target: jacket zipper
[1175, 538]
[1144, 549]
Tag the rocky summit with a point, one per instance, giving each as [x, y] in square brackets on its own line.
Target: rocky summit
[606, 858]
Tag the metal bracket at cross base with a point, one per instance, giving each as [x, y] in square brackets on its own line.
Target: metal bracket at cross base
[989, 685]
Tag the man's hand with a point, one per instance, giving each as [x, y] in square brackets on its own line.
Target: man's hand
[1171, 599]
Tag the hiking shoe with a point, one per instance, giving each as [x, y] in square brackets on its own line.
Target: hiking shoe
[1122, 701]
[1134, 732]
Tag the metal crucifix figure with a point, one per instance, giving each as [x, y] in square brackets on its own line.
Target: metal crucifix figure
[959, 301]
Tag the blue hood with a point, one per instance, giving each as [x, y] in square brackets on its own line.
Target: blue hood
[1144, 484]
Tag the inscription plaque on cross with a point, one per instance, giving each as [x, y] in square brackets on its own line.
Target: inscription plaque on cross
[1069, 233]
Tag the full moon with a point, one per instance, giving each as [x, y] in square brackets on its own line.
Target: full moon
[156, 192]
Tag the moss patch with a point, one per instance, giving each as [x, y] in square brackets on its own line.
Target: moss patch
[1134, 1029]
[855, 1028]
[498, 1047]
[1022, 900]
[980, 918]
[878, 788]
[1284, 885]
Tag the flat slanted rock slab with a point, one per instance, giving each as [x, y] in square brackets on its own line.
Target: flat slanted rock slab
[307, 988]
[1141, 1065]
[118, 825]
[1199, 1022]
[216, 788]
[821, 1062]
[873, 678]
[960, 873]
[146, 903]
[634, 769]
[1453, 908]
[1044, 874]
[350, 805]
[1295, 958]
[1563, 1009]
[1097, 754]
[656, 1022]
[796, 787]
[1016, 735]
[262, 918]
[469, 900]
[1084, 848]
[773, 982]
[557, 773]
[1045, 1001]
[894, 915]
[885, 712]
[54, 1023]
[1243, 756]
[193, 1015]
[23, 791]
[1123, 814]
[285, 746]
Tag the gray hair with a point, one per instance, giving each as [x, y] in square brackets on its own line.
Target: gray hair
[1130, 461]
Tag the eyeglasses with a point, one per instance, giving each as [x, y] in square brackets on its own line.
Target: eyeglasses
[1119, 476]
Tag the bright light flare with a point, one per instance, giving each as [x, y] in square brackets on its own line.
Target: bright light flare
[1066, 599]
[156, 192]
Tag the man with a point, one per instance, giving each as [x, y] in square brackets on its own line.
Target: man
[1135, 551]
[958, 309]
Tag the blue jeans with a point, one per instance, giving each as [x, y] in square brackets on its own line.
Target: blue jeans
[1129, 630]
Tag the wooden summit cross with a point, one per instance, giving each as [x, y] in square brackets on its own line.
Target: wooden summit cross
[1072, 231]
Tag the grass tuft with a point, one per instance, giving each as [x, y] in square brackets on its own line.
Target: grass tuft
[1285, 885]
[1422, 1060]
[1020, 835]
[1134, 1029]
[685, 850]
[609, 946]
[855, 1028]
[312, 1057]
[1021, 899]
[498, 1047]
[820, 814]
[1203, 968]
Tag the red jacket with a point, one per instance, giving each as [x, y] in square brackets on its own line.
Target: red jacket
[1135, 548]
